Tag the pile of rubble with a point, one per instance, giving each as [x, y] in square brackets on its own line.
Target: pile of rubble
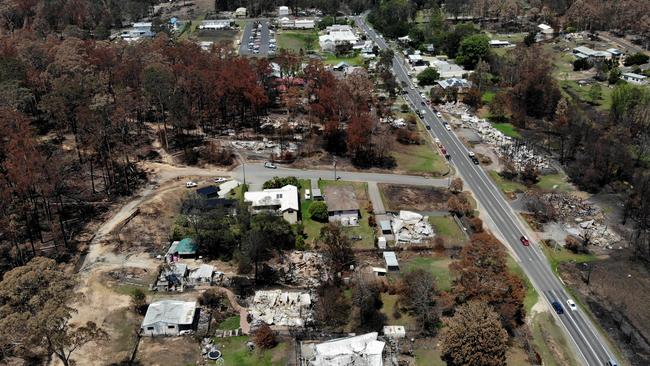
[596, 233]
[521, 155]
[303, 269]
[264, 146]
[568, 207]
[454, 108]
[394, 122]
[411, 227]
[277, 307]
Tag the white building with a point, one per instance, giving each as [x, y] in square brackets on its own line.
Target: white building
[283, 11]
[283, 201]
[240, 12]
[394, 331]
[495, 43]
[335, 35]
[591, 55]
[215, 24]
[363, 349]
[287, 23]
[448, 70]
[168, 317]
[545, 29]
[635, 78]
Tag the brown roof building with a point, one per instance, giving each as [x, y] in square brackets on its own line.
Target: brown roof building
[342, 205]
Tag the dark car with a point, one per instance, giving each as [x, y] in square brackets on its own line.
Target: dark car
[428, 127]
[558, 307]
[524, 240]
[473, 157]
[423, 103]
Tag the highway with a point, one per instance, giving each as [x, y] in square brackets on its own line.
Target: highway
[588, 343]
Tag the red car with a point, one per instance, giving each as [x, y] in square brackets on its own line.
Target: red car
[524, 240]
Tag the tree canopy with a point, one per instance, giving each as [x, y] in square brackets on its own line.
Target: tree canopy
[473, 49]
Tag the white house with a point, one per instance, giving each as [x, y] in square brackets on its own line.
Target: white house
[304, 24]
[335, 35]
[545, 29]
[635, 78]
[240, 12]
[283, 11]
[283, 201]
[495, 43]
[215, 24]
[363, 349]
[169, 318]
[342, 205]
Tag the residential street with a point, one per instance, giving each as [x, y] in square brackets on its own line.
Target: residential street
[589, 344]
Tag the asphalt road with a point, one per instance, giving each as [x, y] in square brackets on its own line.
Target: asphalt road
[256, 174]
[589, 344]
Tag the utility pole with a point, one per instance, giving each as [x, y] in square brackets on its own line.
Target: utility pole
[335, 168]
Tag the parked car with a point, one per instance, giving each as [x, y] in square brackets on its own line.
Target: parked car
[438, 114]
[572, 305]
[447, 126]
[428, 127]
[220, 180]
[307, 194]
[524, 240]
[190, 184]
[611, 362]
[270, 165]
[558, 307]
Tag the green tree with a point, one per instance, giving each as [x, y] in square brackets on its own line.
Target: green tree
[614, 76]
[529, 40]
[279, 182]
[428, 76]
[35, 311]
[318, 211]
[139, 301]
[472, 49]
[595, 93]
[474, 337]
[636, 59]
[418, 294]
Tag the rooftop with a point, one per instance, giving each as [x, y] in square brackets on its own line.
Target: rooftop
[391, 259]
[454, 82]
[341, 199]
[208, 191]
[170, 311]
[186, 246]
[286, 198]
[363, 349]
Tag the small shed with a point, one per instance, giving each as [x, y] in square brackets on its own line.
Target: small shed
[378, 271]
[169, 317]
[385, 227]
[208, 192]
[184, 248]
[316, 194]
[240, 12]
[381, 242]
[391, 261]
[394, 331]
[203, 274]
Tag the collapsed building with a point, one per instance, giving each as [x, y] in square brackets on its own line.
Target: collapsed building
[282, 308]
[303, 269]
[411, 227]
[364, 349]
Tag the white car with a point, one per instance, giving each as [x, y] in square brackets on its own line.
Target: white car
[448, 127]
[190, 184]
[270, 165]
[307, 194]
[572, 305]
[439, 115]
[220, 179]
[412, 87]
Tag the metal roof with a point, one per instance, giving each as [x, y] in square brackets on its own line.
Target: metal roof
[384, 225]
[391, 259]
[171, 312]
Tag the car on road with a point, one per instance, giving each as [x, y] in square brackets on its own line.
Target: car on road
[438, 114]
[447, 126]
[428, 127]
[270, 165]
[572, 305]
[423, 103]
[220, 179]
[524, 240]
[473, 157]
[611, 362]
[423, 112]
[190, 184]
[412, 87]
[558, 307]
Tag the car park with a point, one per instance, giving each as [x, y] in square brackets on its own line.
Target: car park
[572, 305]
[558, 307]
[524, 240]
[270, 165]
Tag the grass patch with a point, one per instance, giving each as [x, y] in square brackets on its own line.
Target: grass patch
[238, 192]
[561, 255]
[582, 92]
[390, 301]
[364, 230]
[507, 129]
[507, 186]
[554, 182]
[439, 268]
[235, 352]
[297, 40]
[230, 323]
[310, 227]
[446, 228]
[487, 97]
[192, 28]
[532, 297]
[550, 342]
[428, 357]
[332, 59]
[124, 323]
[420, 159]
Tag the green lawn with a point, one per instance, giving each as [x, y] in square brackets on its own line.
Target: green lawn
[311, 227]
[388, 309]
[531, 295]
[192, 28]
[332, 59]
[364, 230]
[235, 352]
[420, 159]
[238, 192]
[582, 91]
[230, 323]
[428, 357]
[554, 182]
[507, 129]
[439, 267]
[549, 341]
[446, 227]
[297, 40]
[507, 186]
[561, 255]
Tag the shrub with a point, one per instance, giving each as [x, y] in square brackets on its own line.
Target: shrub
[635, 59]
[279, 182]
[139, 301]
[318, 211]
[264, 337]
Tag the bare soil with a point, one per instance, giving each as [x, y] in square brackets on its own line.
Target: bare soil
[618, 294]
[168, 351]
[404, 197]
